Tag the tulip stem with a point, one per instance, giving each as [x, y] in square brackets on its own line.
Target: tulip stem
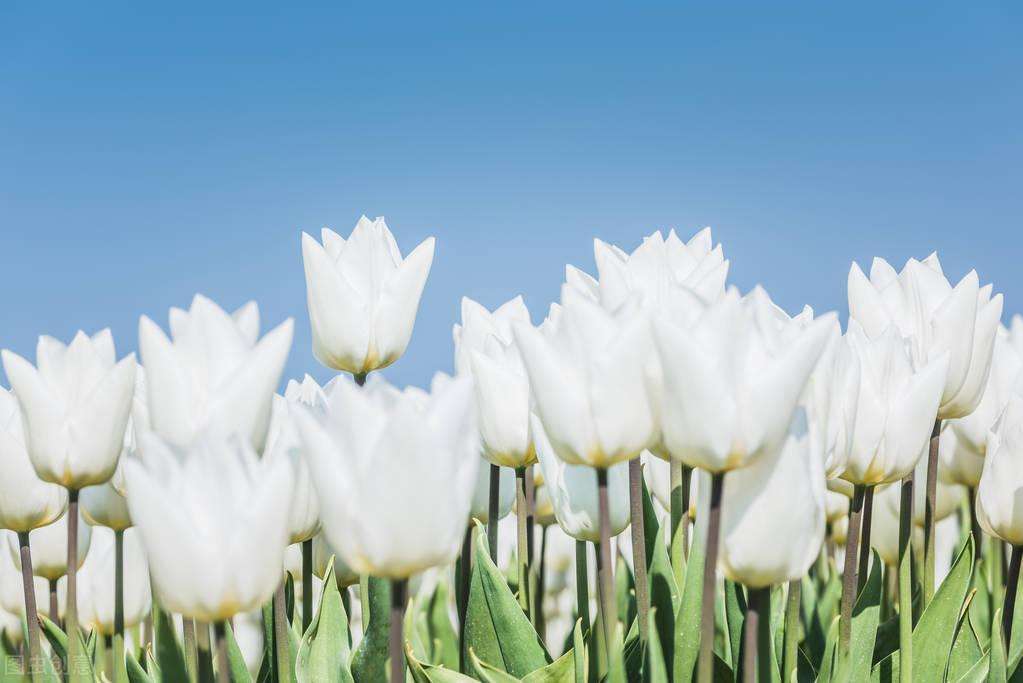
[191, 652]
[120, 670]
[906, 581]
[995, 573]
[75, 664]
[54, 605]
[530, 489]
[464, 581]
[281, 641]
[865, 523]
[307, 584]
[1011, 585]
[220, 638]
[492, 510]
[791, 644]
[639, 546]
[522, 550]
[605, 570]
[756, 659]
[975, 530]
[541, 587]
[31, 615]
[929, 521]
[849, 573]
[679, 506]
[399, 594]
[582, 585]
[205, 650]
[705, 671]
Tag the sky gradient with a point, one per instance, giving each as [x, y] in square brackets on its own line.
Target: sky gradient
[147, 153]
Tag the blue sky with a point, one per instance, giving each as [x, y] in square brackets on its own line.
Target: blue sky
[150, 153]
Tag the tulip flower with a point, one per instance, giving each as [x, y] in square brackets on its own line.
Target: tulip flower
[362, 296]
[97, 609]
[947, 500]
[480, 506]
[75, 407]
[322, 554]
[937, 318]
[832, 398]
[213, 372]
[884, 536]
[103, 506]
[213, 519]
[573, 492]
[49, 548]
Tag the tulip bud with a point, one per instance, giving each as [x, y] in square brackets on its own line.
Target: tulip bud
[213, 373]
[75, 407]
[26, 501]
[392, 474]
[362, 296]
[213, 519]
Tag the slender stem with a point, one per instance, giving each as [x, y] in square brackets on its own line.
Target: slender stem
[75, 663]
[541, 587]
[605, 570]
[582, 585]
[399, 594]
[1011, 584]
[307, 584]
[790, 651]
[360, 378]
[687, 487]
[54, 604]
[464, 579]
[975, 530]
[677, 511]
[204, 647]
[639, 546]
[705, 670]
[35, 650]
[849, 574]
[522, 551]
[865, 520]
[495, 496]
[530, 515]
[995, 573]
[906, 581]
[929, 507]
[220, 638]
[281, 641]
[191, 650]
[757, 637]
[147, 630]
[120, 670]
[108, 651]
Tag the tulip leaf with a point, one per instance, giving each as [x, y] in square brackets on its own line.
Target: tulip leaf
[170, 658]
[735, 616]
[687, 618]
[561, 670]
[56, 637]
[487, 673]
[235, 659]
[655, 672]
[663, 589]
[935, 632]
[496, 629]
[433, 623]
[578, 652]
[136, 674]
[996, 659]
[625, 591]
[323, 652]
[966, 649]
[865, 617]
[369, 661]
[427, 673]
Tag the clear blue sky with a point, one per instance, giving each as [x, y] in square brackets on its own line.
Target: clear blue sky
[150, 153]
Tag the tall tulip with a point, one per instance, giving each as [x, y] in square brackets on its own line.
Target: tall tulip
[99, 609]
[214, 372]
[394, 481]
[213, 519]
[362, 296]
[75, 407]
[49, 548]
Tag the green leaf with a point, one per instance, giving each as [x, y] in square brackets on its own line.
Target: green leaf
[235, 659]
[980, 608]
[865, 617]
[486, 672]
[664, 594]
[735, 615]
[625, 591]
[323, 652]
[426, 673]
[496, 629]
[136, 674]
[443, 639]
[687, 618]
[966, 649]
[996, 660]
[369, 662]
[56, 637]
[579, 652]
[656, 671]
[561, 670]
[824, 611]
[935, 632]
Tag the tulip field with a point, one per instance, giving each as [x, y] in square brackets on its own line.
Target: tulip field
[655, 478]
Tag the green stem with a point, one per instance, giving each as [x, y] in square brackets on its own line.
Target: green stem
[220, 638]
[849, 574]
[191, 651]
[975, 530]
[399, 595]
[35, 649]
[995, 553]
[865, 524]
[757, 637]
[541, 587]
[791, 649]
[76, 664]
[608, 604]
[705, 670]
[929, 520]
[492, 510]
[906, 581]
[307, 584]
[678, 513]
[582, 585]
[639, 546]
[282, 644]
[464, 581]
[205, 650]
[522, 550]
[120, 670]
[1011, 585]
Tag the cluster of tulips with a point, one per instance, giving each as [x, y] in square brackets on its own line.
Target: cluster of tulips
[760, 496]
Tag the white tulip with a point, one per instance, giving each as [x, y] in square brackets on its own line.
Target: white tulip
[75, 407]
[832, 398]
[213, 519]
[997, 505]
[12, 593]
[937, 319]
[947, 497]
[26, 501]
[836, 504]
[10, 627]
[213, 372]
[573, 492]
[96, 592]
[362, 296]
[49, 548]
[485, 348]
[283, 441]
[102, 505]
[248, 633]
[896, 408]
[322, 553]
[781, 495]
[884, 523]
[589, 375]
[730, 386]
[657, 265]
[392, 473]
[657, 472]
[480, 508]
